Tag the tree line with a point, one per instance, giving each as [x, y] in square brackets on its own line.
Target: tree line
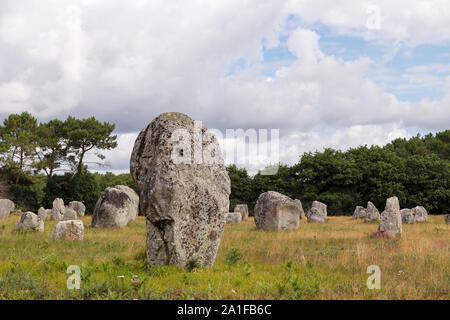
[43, 161]
[416, 170]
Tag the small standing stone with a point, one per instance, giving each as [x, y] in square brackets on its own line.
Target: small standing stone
[69, 214]
[43, 213]
[243, 209]
[6, 207]
[30, 221]
[360, 212]
[447, 218]
[70, 229]
[420, 214]
[372, 213]
[58, 209]
[116, 207]
[391, 219]
[233, 217]
[408, 216]
[78, 207]
[275, 211]
[318, 212]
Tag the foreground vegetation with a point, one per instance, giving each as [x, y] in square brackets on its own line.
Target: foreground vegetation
[318, 261]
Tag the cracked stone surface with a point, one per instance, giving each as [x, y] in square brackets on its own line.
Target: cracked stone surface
[391, 218]
[116, 207]
[275, 211]
[318, 212]
[372, 213]
[184, 195]
[30, 221]
[70, 229]
[78, 207]
[58, 209]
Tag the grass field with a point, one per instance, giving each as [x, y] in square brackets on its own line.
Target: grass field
[317, 261]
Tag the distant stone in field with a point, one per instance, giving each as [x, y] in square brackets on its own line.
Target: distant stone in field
[275, 211]
[233, 217]
[185, 190]
[58, 209]
[360, 212]
[44, 213]
[408, 216]
[447, 218]
[317, 212]
[391, 219]
[116, 207]
[243, 209]
[420, 214]
[30, 221]
[70, 229]
[70, 214]
[372, 213]
[78, 207]
[392, 204]
[6, 207]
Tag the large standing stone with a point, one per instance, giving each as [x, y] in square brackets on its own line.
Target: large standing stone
[185, 190]
[116, 207]
[420, 214]
[408, 216]
[372, 213]
[58, 209]
[317, 212]
[233, 217]
[243, 210]
[30, 221]
[70, 214]
[275, 211]
[391, 219]
[360, 212]
[6, 207]
[70, 229]
[78, 207]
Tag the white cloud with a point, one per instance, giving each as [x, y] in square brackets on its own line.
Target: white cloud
[126, 62]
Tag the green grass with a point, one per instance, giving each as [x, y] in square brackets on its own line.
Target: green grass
[318, 261]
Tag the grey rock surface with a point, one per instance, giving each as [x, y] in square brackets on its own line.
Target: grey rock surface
[30, 221]
[69, 214]
[6, 207]
[185, 190]
[275, 211]
[391, 219]
[233, 217]
[116, 207]
[70, 230]
[359, 213]
[58, 209]
[372, 213]
[317, 212]
[408, 216]
[78, 207]
[420, 214]
[243, 209]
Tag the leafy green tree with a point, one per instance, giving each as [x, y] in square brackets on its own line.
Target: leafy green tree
[18, 143]
[52, 151]
[88, 135]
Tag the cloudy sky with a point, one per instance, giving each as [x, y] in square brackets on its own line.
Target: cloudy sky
[326, 73]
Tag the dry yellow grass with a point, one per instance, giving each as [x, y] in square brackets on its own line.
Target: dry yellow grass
[317, 261]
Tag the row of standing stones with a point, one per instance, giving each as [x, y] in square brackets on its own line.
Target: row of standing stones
[186, 203]
[115, 208]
